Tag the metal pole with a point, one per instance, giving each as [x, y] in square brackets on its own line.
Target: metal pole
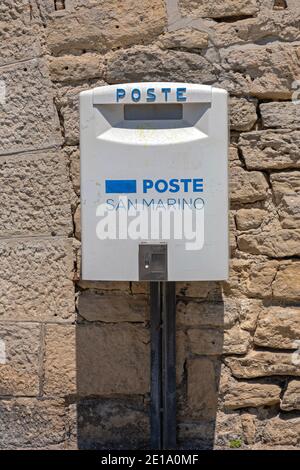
[169, 364]
[163, 365]
[156, 360]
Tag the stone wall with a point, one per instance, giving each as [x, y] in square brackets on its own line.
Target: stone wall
[74, 355]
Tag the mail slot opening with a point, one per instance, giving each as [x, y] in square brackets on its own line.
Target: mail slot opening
[153, 112]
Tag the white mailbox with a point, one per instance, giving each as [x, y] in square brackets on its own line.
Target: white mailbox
[154, 182]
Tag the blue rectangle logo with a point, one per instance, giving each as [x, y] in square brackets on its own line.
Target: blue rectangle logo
[120, 186]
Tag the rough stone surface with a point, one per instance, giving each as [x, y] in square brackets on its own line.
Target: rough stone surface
[266, 72]
[280, 115]
[181, 354]
[186, 38]
[111, 360]
[286, 284]
[249, 394]
[67, 101]
[281, 25]
[278, 327]
[64, 68]
[199, 290]
[32, 423]
[263, 363]
[285, 184]
[286, 189]
[20, 32]
[60, 360]
[32, 206]
[109, 424]
[291, 397]
[112, 308]
[29, 120]
[109, 26]
[216, 342]
[141, 63]
[236, 341]
[270, 150]
[276, 243]
[73, 156]
[248, 219]
[81, 353]
[228, 429]
[219, 8]
[261, 278]
[36, 280]
[206, 341]
[200, 314]
[242, 114]
[282, 431]
[202, 401]
[19, 364]
[96, 360]
[246, 186]
[77, 222]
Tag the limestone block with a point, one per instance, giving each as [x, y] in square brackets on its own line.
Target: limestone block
[193, 314]
[280, 115]
[73, 68]
[35, 195]
[242, 114]
[218, 8]
[19, 363]
[281, 25]
[291, 397]
[77, 222]
[273, 242]
[262, 363]
[112, 308]
[249, 394]
[28, 119]
[270, 150]
[215, 342]
[247, 186]
[286, 284]
[282, 431]
[32, 423]
[249, 219]
[278, 327]
[141, 63]
[260, 280]
[36, 280]
[21, 32]
[60, 360]
[266, 72]
[201, 393]
[97, 359]
[105, 26]
[185, 38]
[286, 189]
[73, 155]
[112, 424]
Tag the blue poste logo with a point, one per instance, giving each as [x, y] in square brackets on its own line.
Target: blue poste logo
[173, 185]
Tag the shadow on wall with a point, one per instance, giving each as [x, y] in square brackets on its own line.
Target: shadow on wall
[113, 367]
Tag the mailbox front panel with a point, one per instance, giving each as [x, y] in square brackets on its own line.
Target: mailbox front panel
[154, 171]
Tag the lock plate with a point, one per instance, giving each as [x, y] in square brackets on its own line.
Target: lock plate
[153, 262]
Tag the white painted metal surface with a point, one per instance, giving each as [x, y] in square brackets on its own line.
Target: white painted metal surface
[161, 148]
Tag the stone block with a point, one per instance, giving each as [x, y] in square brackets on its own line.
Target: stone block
[29, 119]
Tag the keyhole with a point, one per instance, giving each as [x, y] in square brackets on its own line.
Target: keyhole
[147, 262]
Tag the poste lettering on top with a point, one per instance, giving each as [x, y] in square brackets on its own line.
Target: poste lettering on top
[150, 94]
